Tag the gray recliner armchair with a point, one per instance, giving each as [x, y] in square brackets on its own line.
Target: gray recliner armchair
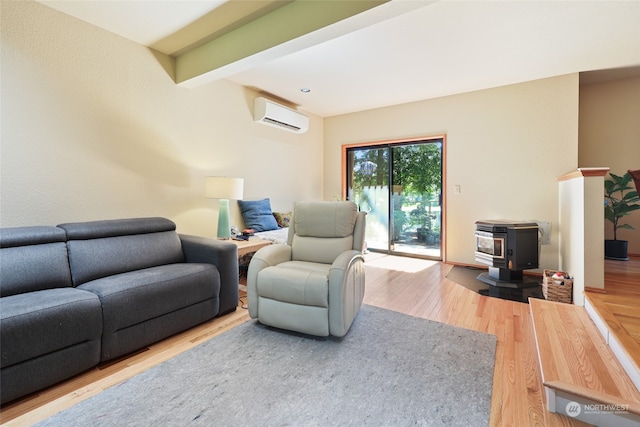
[315, 283]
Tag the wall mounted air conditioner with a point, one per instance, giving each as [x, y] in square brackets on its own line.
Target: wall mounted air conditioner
[272, 114]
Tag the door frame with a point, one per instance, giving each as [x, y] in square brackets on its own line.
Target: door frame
[443, 219]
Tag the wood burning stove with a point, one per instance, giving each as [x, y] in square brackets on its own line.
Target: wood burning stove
[507, 247]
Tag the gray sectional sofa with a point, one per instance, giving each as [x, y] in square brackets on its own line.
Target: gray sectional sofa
[79, 294]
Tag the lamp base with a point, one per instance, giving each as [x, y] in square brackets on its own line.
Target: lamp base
[224, 229]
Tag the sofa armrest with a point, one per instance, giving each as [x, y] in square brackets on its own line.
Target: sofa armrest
[224, 255]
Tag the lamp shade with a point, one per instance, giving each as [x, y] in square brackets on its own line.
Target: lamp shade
[222, 187]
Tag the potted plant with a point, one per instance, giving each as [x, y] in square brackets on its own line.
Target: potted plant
[399, 221]
[620, 200]
[423, 219]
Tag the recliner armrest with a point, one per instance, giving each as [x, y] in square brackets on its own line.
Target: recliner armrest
[346, 291]
[339, 272]
[273, 254]
[224, 255]
[263, 258]
[345, 259]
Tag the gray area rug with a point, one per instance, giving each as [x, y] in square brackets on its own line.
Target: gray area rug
[390, 370]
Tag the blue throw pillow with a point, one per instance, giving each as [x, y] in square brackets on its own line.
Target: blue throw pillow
[257, 215]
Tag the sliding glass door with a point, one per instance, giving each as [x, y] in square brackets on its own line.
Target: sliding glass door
[399, 185]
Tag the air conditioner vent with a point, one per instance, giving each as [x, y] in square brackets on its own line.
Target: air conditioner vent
[283, 124]
[272, 114]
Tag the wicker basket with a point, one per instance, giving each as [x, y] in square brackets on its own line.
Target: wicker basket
[553, 291]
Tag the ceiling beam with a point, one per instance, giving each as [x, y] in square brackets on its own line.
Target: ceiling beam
[287, 29]
[223, 19]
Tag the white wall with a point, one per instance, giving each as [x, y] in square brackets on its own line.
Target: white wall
[93, 127]
[581, 230]
[506, 147]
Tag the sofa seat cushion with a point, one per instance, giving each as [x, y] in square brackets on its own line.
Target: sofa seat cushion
[42, 322]
[296, 282]
[137, 296]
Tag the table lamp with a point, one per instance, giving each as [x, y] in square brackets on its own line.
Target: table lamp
[223, 188]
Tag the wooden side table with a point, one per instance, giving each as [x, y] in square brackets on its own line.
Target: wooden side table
[247, 247]
[250, 246]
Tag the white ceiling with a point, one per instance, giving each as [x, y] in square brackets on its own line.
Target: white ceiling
[406, 50]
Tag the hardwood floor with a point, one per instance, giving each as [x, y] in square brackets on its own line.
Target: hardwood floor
[412, 286]
[619, 307]
[623, 277]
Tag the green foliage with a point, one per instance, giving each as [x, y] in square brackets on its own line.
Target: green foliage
[417, 168]
[375, 176]
[399, 223]
[420, 216]
[620, 200]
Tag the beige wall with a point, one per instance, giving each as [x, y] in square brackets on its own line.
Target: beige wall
[609, 134]
[93, 127]
[505, 148]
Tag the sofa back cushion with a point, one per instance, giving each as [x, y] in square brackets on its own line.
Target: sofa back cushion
[104, 248]
[32, 259]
